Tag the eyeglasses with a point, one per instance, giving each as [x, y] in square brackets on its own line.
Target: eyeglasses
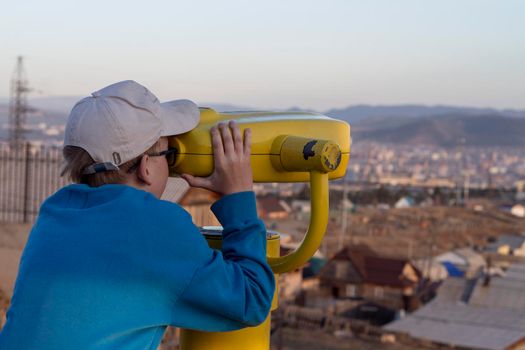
[170, 154]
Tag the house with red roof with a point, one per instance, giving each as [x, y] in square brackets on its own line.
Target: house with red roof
[358, 273]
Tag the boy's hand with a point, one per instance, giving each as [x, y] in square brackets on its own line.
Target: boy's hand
[233, 171]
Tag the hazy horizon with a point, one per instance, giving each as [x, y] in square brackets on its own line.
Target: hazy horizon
[4, 101]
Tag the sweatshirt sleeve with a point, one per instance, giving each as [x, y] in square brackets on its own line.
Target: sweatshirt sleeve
[234, 288]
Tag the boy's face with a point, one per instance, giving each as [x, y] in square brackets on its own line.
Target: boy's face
[160, 170]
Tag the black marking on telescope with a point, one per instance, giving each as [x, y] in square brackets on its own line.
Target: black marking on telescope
[308, 150]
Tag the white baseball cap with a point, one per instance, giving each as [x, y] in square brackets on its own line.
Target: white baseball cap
[121, 121]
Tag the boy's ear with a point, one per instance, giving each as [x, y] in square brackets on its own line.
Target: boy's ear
[144, 171]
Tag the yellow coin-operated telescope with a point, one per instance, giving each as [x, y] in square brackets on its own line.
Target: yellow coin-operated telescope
[286, 147]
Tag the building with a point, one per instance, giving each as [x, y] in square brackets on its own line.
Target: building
[197, 202]
[491, 318]
[272, 208]
[518, 210]
[357, 272]
[431, 269]
[462, 262]
[508, 245]
[404, 202]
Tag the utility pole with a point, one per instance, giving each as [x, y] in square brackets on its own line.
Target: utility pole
[466, 187]
[460, 182]
[18, 107]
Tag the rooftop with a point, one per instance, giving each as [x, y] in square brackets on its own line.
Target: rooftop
[494, 318]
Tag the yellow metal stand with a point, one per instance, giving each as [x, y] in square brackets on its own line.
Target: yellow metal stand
[281, 158]
[258, 338]
[253, 338]
[316, 229]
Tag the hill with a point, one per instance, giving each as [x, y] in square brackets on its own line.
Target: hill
[358, 113]
[403, 124]
[445, 131]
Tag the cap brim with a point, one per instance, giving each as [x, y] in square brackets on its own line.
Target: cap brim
[178, 117]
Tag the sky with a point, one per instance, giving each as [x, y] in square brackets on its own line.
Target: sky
[273, 54]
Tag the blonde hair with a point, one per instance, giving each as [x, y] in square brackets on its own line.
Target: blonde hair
[76, 159]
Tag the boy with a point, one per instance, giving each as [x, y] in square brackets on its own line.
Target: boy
[108, 265]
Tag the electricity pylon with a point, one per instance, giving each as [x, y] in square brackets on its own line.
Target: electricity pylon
[18, 107]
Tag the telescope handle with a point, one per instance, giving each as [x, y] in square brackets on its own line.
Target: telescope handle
[316, 229]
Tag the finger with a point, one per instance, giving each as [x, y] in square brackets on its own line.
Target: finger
[227, 140]
[237, 138]
[196, 181]
[216, 141]
[247, 142]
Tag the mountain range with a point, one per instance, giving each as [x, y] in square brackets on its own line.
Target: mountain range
[359, 112]
[444, 126]
[445, 131]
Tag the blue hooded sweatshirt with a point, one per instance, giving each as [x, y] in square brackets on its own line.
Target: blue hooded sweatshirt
[110, 267]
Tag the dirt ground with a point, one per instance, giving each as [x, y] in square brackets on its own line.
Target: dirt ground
[420, 232]
[409, 233]
[14, 235]
[12, 240]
